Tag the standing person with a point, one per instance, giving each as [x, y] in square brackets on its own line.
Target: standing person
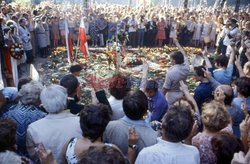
[41, 38]
[231, 33]
[26, 40]
[112, 28]
[176, 127]
[214, 118]
[135, 106]
[167, 29]
[47, 34]
[173, 31]
[141, 31]
[55, 129]
[55, 31]
[25, 112]
[213, 34]
[102, 25]
[191, 29]
[178, 72]
[151, 29]
[206, 31]
[132, 31]
[197, 33]
[160, 36]
[93, 32]
[62, 31]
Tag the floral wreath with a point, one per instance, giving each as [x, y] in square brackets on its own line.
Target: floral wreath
[17, 51]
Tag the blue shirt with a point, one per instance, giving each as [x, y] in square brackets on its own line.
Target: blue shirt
[237, 115]
[158, 106]
[23, 115]
[203, 93]
[224, 76]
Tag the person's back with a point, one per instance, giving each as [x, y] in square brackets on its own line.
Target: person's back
[53, 132]
[117, 132]
[57, 128]
[176, 127]
[135, 106]
[167, 151]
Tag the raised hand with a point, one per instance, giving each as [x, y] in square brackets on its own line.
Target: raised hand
[207, 73]
[133, 136]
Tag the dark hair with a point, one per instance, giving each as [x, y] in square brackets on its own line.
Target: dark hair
[135, 105]
[222, 60]
[243, 86]
[21, 20]
[199, 71]
[75, 68]
[93, 120]
[178, 122]
[102, 155]
[7, 134]
[152, 85]
[228, 98]
[22, 82]
[224, 146]
[178, 57]
[120, 88]
[69, 82]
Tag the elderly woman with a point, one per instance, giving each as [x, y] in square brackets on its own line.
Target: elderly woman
[25, 112]
[215, 118]
[58, 127]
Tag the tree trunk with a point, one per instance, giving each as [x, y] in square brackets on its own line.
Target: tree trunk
[237, 6]
[222, 3]
[185, 4]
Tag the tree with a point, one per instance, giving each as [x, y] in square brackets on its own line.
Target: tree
[185, 4]
[237, 6]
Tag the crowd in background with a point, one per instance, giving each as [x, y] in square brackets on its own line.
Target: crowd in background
[48, 124]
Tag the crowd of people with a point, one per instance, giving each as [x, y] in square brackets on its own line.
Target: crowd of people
[48, 124]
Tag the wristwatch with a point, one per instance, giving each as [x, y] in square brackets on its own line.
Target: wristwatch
[132, 146]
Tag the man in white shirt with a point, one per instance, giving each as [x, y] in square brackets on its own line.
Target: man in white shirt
[177, 125]
[231, 34]
[57, 128]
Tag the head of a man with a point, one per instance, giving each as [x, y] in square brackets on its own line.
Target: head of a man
[135, 105]
[243, 86]
[177, 57]
[151, 88]
[221, 61]
[177, 122]
[199, 73]
[119, 86]
[71, 83]
[224, 94]
[54, 99]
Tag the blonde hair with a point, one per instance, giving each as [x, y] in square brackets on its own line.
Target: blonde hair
[215, 116]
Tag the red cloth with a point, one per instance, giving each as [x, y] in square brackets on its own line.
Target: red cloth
[83, 39]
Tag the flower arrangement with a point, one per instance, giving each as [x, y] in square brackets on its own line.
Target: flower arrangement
[17, 51]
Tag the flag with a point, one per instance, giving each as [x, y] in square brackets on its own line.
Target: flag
[83, 39]
[69, 43]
